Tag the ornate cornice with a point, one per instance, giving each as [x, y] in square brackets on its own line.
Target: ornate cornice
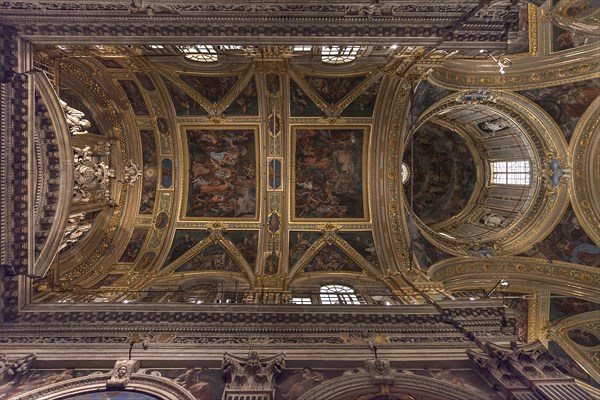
[276, 22]
[528, 73]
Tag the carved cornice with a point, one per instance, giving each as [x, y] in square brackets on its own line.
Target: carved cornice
[279, 23]
[559, 277]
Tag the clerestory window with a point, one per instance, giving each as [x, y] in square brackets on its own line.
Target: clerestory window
[511, 172]
[338, 294]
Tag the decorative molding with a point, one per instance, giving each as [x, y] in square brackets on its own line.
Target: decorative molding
[559, 277]
[585, 182]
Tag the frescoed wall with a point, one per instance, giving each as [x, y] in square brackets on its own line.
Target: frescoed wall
[332, 90]
[331, 258]
[183, 240]
[275, 174]
[36, 378]
[425, 95]
[292, 384]
[563, 39]
[363, 243]
[222, 176]
[135, 97]
[364, 104]
[202, 383]
[213, 88]
[568, 242]
[566, 103]
[562, 307]
[328, 181]
[134, 246]
[443, 173]
[212, 258]
[246, 103]
[150, 171]
[521, 43]
[425, 253]
[299, 243]
[184, 104]
[145, 81]
[300, 104]
[246, 242]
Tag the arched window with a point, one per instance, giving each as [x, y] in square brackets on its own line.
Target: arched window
[338, 294]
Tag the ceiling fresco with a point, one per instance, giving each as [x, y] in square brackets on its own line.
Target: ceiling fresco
[265, 171]
[443, 173]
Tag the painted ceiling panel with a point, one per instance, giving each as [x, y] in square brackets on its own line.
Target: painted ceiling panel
[222, 175]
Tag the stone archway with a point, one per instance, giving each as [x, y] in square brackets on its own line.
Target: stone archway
[400, 385]
[138, 383]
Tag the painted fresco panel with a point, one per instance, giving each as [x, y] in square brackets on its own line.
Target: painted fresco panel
[332, 90]
[300, 104]
[37, 378]
[584, 338]
[149, 161]
[363, 243]
[443, 174]
[184, 240]
[568, 242]
[291, 384]
[562, 307]
[246, 103]
[521, 43]
[566, 103]
[364, 104]
[213, 88]
[331, 259]
[426, 253]
[520, 306]
[425, 95]
[202, 383]
[563, 39]
[246, 242]
[134, 246]
[184, 104]
[300, 242]
[212, 258]
[222, 175]
[134, 95]
[145, 81]
[328, 181]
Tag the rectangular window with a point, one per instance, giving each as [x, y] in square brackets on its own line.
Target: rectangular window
[511, 173]
[301, 300]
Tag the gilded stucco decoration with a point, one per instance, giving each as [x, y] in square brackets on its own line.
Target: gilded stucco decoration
[585, 148]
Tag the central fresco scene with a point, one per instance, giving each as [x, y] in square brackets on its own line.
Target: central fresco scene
[329, 177]
[222, 173]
